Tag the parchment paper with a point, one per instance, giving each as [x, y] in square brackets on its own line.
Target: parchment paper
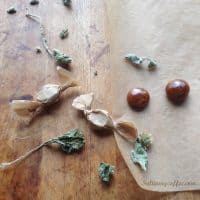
[168, 31]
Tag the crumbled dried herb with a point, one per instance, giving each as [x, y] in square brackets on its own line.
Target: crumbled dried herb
[49, 94]
[56, 54]
[38, 50]
[134, 59]
[102, 119]
[61, 57]
[139, 153]
[34, 2]
[105, 171]
[11, 10]
[67, 2]
[69, 142]
[64, 33]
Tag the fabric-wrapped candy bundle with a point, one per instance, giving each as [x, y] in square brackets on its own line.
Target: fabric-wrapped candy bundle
[48, 94]
[102, 119]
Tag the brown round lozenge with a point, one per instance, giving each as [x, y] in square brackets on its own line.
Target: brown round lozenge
[177, 91]
[138, 98]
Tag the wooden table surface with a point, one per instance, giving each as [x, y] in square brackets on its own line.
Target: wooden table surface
[50, 174]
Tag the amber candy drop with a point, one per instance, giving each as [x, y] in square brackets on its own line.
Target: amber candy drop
[138, 98]
[177, 91]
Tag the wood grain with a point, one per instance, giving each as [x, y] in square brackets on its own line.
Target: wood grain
[49, 174]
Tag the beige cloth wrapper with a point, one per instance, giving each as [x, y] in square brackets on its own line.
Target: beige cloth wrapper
[167, 31]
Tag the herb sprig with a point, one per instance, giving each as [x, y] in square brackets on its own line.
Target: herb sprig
[71, 141]
[56, 54]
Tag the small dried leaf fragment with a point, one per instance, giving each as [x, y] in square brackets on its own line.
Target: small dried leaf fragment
[67, 2]
[34, 2]
[134, 59]
[61, 57]
[146, 140]
[139, 152]
[105, 171]
[64, 33]
[11, 10]
[38, 50]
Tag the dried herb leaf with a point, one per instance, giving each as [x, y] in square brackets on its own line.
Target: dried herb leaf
[11, 10]
[105, 171]
[139, 153]
[71, 141]
[134, 59]
[64, 33]
[38, 50]
[152, 65]
[67, 2]
[34, 2]
[146, 140]
[61, 57]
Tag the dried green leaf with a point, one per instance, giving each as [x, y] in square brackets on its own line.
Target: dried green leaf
[64, 33]
[139, 155]
[67, 2]
[34, 2]
[134, 59]
[38, 50]
[70, 141]
[105, 171]
[152, 65]
[61, 57]
[146, 140]
[11, 10]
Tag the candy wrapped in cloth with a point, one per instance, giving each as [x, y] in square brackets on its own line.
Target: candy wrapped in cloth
[102, 119]
[47, 95]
